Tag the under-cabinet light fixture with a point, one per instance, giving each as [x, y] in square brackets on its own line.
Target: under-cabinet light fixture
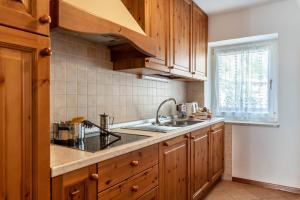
[153, 78]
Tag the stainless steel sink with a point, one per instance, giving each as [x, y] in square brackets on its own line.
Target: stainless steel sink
[180, 123]
[164, 127]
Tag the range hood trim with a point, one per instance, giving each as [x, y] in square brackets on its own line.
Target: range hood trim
[68, 17]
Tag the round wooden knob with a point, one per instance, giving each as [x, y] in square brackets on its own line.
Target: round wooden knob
[135, 188]
[2, 79]
[45, 19]
[94, 177]
[134, 163]
[46, 52]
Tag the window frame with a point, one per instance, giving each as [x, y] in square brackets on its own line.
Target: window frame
[273, 80]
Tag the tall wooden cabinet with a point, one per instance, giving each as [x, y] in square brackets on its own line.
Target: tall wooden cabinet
[200, 162]
[200, 43]
[174, 168]
[24, 107]
[28, 15]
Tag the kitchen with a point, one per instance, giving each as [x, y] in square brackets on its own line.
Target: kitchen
[142, 75]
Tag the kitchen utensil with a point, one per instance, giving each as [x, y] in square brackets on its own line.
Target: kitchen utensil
[181, 109]
[105, 122]
[192, 108]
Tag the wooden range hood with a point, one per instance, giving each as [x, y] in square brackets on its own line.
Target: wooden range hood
[104, 21]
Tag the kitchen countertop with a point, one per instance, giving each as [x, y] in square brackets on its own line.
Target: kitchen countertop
[64, 159]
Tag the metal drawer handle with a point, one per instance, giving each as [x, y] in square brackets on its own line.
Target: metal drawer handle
[135, 188]
[134, 163]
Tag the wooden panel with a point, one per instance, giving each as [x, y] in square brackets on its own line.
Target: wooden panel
[24, 116]
[217, 151]
[25, 15]
[151, 195]
[181, 35]
[76, 185]
[200, 42]
[134, 187]
[200, 162]
[115, 170]
[174, 169]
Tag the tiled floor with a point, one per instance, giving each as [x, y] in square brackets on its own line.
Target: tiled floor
[227, 190]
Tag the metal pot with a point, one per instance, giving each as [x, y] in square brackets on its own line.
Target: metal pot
[66, 132]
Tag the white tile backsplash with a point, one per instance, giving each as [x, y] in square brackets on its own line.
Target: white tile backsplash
[83, 83]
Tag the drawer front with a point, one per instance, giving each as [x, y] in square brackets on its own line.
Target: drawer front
[151, 195]
[134, 187]
[116, 170]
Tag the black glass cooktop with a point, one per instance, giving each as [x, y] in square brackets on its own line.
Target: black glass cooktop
[96, 143]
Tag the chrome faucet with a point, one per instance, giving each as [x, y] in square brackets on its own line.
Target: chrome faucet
[162, 103]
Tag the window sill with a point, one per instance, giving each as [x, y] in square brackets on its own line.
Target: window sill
[253, 123]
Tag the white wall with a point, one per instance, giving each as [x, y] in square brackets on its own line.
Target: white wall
[263, 153]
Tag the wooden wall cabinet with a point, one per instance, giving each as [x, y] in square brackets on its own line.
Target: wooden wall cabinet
[77, 185]
[181, 37]
[180, 29]
[24, 115]
[174, 168]
[28, 15]
[200, 162]
[153, 17]
[199, 43]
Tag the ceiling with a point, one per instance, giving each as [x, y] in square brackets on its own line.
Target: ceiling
[219, 6]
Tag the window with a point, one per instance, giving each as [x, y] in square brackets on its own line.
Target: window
[244, 81]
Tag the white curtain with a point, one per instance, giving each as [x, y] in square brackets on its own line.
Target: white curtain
[245, 82]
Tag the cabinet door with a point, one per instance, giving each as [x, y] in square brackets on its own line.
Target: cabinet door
[217, 151]
[199, 162]
[200, 42]
[77, 185]
[157, 27]
[29, 15]
[24, 116]
[181, 19]
[174, 169]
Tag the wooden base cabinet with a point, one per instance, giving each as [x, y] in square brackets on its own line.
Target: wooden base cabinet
[78, 185]
[182, 168]
[24, 115]
[217, 151]
[200, 162]
[174, 168]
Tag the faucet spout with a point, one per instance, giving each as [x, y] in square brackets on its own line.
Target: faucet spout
[162, 103]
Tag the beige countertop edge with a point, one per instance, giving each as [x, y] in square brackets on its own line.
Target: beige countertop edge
[64, 160]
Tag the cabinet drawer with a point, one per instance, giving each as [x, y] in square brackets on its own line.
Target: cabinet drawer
[134, 187]
[116, 170]
[151, 195]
